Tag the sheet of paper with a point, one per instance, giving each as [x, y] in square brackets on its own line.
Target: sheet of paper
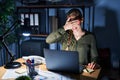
[45, 75]
[87, 70]
[48, 75]
[10, 73]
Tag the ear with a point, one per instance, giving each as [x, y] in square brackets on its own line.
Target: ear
[81, 20]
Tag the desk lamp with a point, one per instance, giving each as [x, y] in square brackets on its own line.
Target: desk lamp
[11, 64]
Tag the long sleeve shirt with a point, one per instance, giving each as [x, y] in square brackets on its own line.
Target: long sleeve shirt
[86, 45]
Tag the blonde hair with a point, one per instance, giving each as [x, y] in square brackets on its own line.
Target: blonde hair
[76, 13]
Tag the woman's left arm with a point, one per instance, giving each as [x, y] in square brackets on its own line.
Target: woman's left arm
[94, 54]
[93, 50]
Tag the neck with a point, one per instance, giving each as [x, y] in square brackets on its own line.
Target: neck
[78, 34]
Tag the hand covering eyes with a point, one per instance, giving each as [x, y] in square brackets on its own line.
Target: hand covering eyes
[76, 18]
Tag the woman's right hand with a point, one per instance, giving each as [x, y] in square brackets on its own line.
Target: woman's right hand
[68, 25]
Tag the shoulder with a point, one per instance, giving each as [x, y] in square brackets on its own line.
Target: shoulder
[88, 33]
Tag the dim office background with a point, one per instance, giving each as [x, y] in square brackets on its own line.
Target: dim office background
[106, 28]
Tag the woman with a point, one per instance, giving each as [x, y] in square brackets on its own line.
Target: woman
[74, 38]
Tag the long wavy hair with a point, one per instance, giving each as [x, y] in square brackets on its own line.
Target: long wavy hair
[77, 16]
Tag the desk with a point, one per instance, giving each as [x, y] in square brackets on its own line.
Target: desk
[83, 76]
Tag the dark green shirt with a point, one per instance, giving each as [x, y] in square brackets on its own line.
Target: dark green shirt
[86, 45]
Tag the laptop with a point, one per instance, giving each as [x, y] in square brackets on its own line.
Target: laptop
[62, 61]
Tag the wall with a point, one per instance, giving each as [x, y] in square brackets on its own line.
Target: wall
[107, 27]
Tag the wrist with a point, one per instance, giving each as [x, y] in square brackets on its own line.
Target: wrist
[64, 28]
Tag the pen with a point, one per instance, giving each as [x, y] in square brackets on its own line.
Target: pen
[32, 61]
[87, 70]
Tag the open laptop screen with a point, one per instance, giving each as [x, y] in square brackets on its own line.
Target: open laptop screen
[62, 61]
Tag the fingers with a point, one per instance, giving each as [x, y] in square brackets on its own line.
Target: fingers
[70, 24]
[73, 21]
[68, 19]
[91, 65]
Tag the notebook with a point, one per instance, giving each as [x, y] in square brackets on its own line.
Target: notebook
[62, 61]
